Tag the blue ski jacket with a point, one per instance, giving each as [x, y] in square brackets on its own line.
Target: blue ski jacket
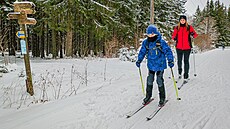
[156, 52]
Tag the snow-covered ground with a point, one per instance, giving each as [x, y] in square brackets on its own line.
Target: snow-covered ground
[97, 94]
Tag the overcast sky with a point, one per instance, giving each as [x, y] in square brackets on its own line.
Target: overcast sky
[191, 5]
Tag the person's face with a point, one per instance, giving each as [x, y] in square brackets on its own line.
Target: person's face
[182, 21]
[151, 35]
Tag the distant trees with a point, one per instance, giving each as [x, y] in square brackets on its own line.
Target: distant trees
[73, 28]
[213, 21]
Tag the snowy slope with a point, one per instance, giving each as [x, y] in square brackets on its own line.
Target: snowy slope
[103, 104]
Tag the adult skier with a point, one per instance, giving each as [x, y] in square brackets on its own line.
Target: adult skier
[181, 35]
[157, 50]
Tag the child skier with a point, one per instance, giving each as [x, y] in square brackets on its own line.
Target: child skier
[156, 50]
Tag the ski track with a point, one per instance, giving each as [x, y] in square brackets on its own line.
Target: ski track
[200, 100]
[205, 102]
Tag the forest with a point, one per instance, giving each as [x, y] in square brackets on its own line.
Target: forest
[79, 28]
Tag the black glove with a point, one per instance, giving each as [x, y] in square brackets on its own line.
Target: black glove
[171, 64]
[138, 64]
[192, 34]
[175, 39]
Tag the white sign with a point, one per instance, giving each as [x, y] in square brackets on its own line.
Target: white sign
[23, 46]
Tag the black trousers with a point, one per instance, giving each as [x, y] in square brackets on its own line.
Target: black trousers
[180, 55]
[160, 83]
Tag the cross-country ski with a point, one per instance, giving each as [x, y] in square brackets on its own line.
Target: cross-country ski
[183, 83]
[138, 109]
[155, 112]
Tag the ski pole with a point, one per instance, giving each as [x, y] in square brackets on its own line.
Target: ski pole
[143, 89]
[194, 64]
[174, 82]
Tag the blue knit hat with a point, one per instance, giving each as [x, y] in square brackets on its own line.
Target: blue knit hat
[151, 29]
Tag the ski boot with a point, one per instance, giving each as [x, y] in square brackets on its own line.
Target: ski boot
[162, 96]
[179, 77]
[185, 81]
[146, 100]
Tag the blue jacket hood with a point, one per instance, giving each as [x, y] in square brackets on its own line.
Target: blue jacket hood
[153, 29]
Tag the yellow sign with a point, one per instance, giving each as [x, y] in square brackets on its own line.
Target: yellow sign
[20, 34]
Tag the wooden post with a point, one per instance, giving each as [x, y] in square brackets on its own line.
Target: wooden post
[21, 9]
[29, 84]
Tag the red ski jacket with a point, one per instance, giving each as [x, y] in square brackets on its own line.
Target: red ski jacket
[181, 35]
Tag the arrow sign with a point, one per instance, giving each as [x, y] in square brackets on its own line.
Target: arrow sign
[20, 34]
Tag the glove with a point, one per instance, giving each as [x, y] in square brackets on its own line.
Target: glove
[175, 39]
[171, 64]
[138, 64]
[192, 34]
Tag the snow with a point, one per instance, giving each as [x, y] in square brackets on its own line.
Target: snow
[107, 8]
[112, 90]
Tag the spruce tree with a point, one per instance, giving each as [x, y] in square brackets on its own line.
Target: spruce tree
[228, 27]
[220, 24]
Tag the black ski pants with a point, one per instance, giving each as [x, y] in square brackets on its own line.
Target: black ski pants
[160, 83]
[180, 55]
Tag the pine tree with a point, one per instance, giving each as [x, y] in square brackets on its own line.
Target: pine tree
[211, 9]
[228, 27]
[166, 14]
[85, 25]
[197, 22]
[220, 24]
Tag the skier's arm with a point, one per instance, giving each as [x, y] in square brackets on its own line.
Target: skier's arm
[193, 32]
[167, 51]
[174, 35]
[142, 52]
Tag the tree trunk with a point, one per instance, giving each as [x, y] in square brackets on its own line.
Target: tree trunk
[54, 45]
[47, 40]
[69, 36]
[61, 45]
[42, 51]
[38, 46]
[11, 41]
[69, 39]
[33, 39]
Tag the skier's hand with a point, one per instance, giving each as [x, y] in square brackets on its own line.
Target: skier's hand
[175, 39]
[192, 34]
[171, 64]
[138, 64]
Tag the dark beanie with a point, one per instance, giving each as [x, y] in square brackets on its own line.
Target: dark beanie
[183, 17]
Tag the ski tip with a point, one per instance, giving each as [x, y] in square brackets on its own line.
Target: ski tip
[128, 116]
[179, 88]
[147, 118]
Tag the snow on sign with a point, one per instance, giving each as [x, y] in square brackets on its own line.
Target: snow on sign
[20, 34]
[23, 46]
